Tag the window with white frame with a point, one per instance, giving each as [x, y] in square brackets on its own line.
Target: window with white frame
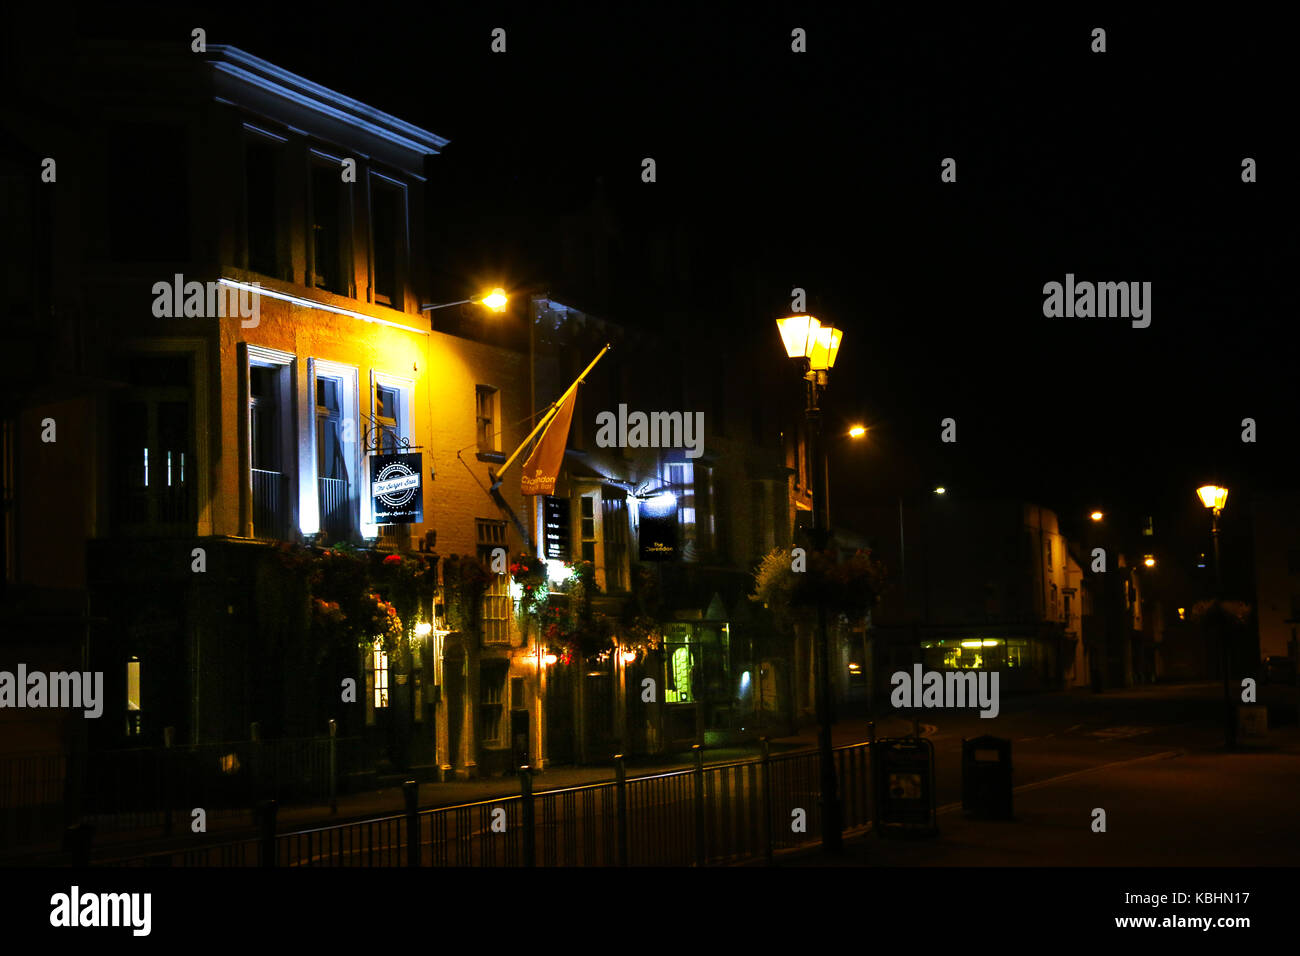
[376, 681]
[390, 433]
[272, 442]
[496, 598]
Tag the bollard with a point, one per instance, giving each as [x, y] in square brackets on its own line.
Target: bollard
[267, 809]
[698, 751]
[334, 767]
[620, 790]
[766, 814]
[526, 808]
[411, 791]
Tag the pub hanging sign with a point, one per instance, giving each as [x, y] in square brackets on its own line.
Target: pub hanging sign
[395, 488]
[658, 531]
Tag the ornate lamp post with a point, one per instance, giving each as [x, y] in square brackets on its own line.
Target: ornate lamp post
[1214, 497]
[815, 347]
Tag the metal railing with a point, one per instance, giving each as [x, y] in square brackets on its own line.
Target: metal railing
[270, 514]
[720, 814]
[335, 517]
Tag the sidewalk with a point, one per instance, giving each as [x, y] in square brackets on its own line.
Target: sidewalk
[391, 800]
[1178, 808]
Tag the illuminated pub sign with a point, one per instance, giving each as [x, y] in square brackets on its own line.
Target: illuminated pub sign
[555, 514]
[658, 533]
[395, 488]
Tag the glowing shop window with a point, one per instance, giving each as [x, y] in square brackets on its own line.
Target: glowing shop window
[133, 685]
[679, 676]
[380, 663]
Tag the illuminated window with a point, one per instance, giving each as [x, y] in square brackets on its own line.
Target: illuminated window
[133, 697]
[588, 527]
[379, 664]
[681, 664]
[496, 598]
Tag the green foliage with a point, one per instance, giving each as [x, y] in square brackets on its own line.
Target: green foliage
[851, 586]
[464, 582]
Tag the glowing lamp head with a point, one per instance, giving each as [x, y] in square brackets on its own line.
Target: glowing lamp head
[1213, 497]
[629, 657]
[857, 431]
[549, 658]
[496, 300]
[423, 629]
[797, 332]
[1149, 561]
[1096, 516]
[941, 490]
[825, 346]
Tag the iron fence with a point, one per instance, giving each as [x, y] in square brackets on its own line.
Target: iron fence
[719, 814]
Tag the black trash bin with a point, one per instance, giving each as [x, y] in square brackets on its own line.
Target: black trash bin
[986, 777]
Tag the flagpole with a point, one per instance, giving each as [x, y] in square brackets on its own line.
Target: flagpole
[550, 413]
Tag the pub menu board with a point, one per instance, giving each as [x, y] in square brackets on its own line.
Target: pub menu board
[555, 515]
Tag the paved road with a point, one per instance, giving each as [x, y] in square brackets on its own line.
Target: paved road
[1152, 759]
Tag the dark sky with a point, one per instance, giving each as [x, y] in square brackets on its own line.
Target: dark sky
[821, 170]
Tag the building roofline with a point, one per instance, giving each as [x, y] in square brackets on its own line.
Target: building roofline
[280, 82]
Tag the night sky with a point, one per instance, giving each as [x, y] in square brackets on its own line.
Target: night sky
[821, 170]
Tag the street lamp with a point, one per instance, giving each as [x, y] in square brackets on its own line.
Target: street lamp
[1096, 516]
[1214, 497]
[815, 346]
[857, 431]
[495, 300]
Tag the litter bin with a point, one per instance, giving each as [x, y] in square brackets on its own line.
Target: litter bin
[986, 777]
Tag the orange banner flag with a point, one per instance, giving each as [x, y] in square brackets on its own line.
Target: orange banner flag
[543, 465]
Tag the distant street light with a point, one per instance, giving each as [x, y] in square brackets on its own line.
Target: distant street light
[1096, 516]
[1214, 497]
[941, 490]
[857, 431]
[815, 346]
[1149, 561]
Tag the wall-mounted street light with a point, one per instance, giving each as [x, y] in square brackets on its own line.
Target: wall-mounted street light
[1149, 560]
[857, 431]
[1214, 497]
[495, 300]
[815, 347]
